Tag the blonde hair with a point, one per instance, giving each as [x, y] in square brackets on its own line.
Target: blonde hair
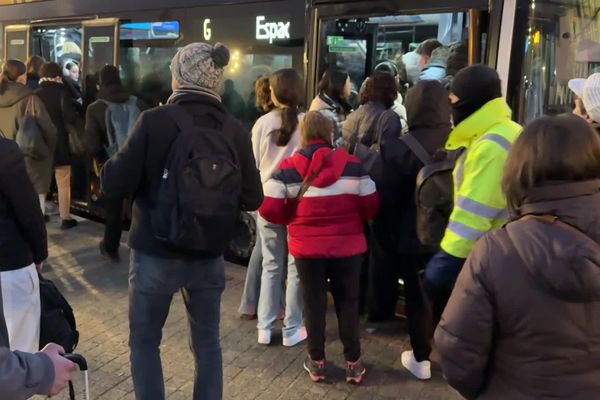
[315, 126]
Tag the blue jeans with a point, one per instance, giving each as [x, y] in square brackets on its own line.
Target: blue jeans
[249, 302]
[275, 252]
[152, 283]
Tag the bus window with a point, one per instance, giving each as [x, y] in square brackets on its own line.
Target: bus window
[561, 42]
[57, 44]
[359, 45]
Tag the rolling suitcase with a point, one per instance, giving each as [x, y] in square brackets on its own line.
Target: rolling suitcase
[83, 368]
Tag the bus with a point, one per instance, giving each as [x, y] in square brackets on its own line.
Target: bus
[535, 45]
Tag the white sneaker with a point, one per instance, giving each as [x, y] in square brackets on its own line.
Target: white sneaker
[296, 338]
[420, 369]
[264, 336]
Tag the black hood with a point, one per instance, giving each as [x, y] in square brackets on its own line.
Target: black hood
[428, 114]
[566, 263]
[13, 93]
[114, 94]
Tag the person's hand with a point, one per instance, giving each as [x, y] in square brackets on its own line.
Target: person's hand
[62, 367]
[39, 266]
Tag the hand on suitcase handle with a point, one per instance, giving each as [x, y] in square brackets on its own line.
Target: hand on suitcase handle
[62, 367]
[77, 359]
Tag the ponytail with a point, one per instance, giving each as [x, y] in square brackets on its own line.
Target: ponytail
[289, 123]
[288, 90]
[11, 71]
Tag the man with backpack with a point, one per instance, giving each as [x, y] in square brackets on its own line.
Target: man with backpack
[107, 124]
[484, 129]
[190, 169]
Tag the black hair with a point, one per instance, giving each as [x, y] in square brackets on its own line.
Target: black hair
[333, 82]
[50, 70]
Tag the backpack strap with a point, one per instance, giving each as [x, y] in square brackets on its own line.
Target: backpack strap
[417, 148]
[309, 179]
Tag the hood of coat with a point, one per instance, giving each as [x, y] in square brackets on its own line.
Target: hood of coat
[563, 261]
[428, 113]
[13, 93]
[318, 156]
[114, 94]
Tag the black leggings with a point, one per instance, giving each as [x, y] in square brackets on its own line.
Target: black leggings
[344, 279]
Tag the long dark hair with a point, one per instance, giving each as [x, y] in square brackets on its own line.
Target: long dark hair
[332, 83]
[287, 87]
[563, 149]
[11, 71]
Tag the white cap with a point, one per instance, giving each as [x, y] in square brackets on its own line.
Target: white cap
[588, 90]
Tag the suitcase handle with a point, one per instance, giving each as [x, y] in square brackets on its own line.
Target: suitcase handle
[83, 367]
[77, 359]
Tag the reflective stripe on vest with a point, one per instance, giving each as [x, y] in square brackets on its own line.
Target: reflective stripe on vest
[465, 231]
[479, 209]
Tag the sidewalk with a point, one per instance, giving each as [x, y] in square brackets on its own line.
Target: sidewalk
[97, 291]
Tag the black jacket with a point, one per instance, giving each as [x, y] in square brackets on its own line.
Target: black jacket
[428, 115]
[137, 169]
[58, 102]
[22, 228]
[95, 120]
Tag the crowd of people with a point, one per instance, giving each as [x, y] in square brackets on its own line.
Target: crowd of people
[508, 291]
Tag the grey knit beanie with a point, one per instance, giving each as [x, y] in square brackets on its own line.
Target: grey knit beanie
[200, 65]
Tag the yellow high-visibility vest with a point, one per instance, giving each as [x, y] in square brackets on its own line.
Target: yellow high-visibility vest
[479, 204]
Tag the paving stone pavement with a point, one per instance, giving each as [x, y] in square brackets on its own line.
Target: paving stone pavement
[97, 290]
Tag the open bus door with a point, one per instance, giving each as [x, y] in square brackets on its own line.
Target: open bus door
[16, 42]
[100, 47]
[358, 35]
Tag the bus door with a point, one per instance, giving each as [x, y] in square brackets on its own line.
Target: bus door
[358, 36]
[16, 42]
[100, 41]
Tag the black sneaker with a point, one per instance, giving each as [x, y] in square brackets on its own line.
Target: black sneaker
[68, 224]
[315, 369]
[111, 255]
[355, 372]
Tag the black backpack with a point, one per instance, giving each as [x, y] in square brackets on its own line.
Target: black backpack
[434, 193]
[57, 321]
[198, 202]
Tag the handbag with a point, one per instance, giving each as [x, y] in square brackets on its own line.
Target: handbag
[30, 136]
[76, 145]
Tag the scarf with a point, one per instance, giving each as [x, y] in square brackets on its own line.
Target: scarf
[56, 79]
[195, 90]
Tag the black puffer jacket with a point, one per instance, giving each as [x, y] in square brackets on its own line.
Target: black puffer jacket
[137, 169]
[428, 115]
[523, 322]
[22, 228]
[58, 102]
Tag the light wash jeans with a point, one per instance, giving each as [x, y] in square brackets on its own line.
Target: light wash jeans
[249, 302]
[152, 283]
[275, 251]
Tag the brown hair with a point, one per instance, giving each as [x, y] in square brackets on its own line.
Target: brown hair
[563, 148]
[11, 71]
[428, 46]
[50, 70]
[380, 87]
[288, 89]
[263, 94]
[315, 126]
[34, 63]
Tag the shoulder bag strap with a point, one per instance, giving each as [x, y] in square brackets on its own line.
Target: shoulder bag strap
[309, 179]
[417, 148]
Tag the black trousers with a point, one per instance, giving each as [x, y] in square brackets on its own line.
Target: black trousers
[344, 279]
[113, 224]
